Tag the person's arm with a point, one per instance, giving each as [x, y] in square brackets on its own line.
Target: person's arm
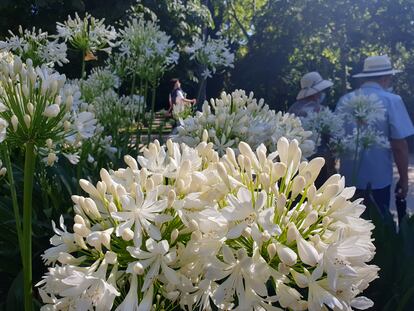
[400, 150]
[188, 101]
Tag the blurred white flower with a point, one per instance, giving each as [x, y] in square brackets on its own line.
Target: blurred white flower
[36, 45]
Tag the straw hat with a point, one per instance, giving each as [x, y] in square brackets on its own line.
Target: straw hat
[312, 83]
[375, 66]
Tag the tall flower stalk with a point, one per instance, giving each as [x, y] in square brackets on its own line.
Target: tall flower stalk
[33, 109]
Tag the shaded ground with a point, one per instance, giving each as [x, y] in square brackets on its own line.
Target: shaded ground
[410, 196]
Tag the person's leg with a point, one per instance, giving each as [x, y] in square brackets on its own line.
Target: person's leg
[382, 199]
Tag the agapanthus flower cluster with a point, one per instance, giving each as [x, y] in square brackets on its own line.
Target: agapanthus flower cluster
[36, 45]
[184, 227]
[87, 34]
[99, 80]
[37, 105]
[360, 113]
[147, 50]
[324, 124]
[237, 117]
[182, 110]
[30, 103]
[212, 55]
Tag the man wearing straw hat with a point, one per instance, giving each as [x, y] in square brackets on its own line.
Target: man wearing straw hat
[311, 94]
[376, 163]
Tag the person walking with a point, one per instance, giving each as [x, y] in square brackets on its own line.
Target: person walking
[177, 96]
[311, 94]
[375, 168]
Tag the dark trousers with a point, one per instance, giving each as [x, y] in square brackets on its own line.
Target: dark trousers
[381, 198]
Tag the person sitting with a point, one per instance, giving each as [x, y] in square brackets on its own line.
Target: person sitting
[311, 94]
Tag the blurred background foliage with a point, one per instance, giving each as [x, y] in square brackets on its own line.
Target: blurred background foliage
[275, 43]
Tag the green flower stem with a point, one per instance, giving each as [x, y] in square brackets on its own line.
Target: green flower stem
[29, 167]
[83, 65]
[152, 113]
[355, 165]
[13, 192]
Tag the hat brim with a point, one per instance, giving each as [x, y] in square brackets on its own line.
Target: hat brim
[376, 74]
[323, 85]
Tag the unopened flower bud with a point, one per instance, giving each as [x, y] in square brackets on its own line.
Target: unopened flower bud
[138, 268]
[286, 255]
[174, 235]
[66, 258]
[205, 135]
[51, 111]
[17, 65]
[282, 268]
[69, 102]
[51, 158]
[79, 220]
[271, 249]
[27, 120]
[25, 90]
[58, 100]
[66, 126]
[292, 233]
[3, 171]
[110, 257]
[14, 122]
[127, 234]
[310, 219]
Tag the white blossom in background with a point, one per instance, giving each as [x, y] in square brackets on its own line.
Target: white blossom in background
[36, 45]
[237, 117]
[184, 227]
[87, 34]
[99, 80]
[145, 50]
[360, 113]
[324, 123]
[362, 109]
[212, 55]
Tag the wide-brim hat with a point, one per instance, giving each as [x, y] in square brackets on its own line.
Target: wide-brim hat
[376, 66]
[312, 83]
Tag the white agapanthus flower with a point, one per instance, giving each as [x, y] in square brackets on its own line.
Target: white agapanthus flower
[361, 108]
[212, 55]
[3, 129]
[87, 34]
[324, 123]
[188, 228]
[146, 50]
[3, 170]
[239, 117]
[36, 45]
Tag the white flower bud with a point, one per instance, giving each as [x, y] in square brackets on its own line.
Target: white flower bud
[91, 208]
[310, 219]
[131, 162]
[292, 233]
[69, 102]
[79, 220]
[271, 249]
[110, 257]
[174, 235]
[205, 135]
[67, 126]
[193, 225]
[66, 258]
[17, 65]
[14, 122]
[51, 158]
[49, 143]
[297, 186]
[171, 198]
[282, 268]
[307, 252]
[127, 234]
[286, 255]
[81, 230]
[51, 111]
[27, 120]
[300, 279]
[138, 268]
[3, 171]
[25, 90]
[278, 170]
[58, 100]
